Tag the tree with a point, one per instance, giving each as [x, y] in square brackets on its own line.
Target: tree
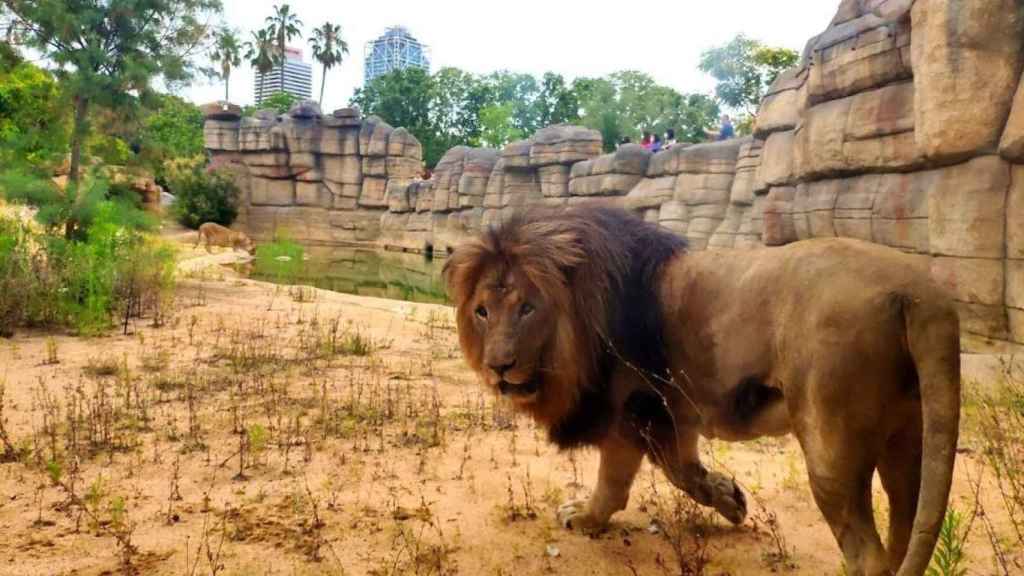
[403, 97]
[262, 55]
[280, 102]
[496, 128]
[521, 91]
[697, 114]
[104, 50]
[628, 103]
[9, 55]
[33, 119]
[455, 102]
[172, 129]
[557, 103]
[284, 25]
[227, 52]
[329, 48]
[745, 69]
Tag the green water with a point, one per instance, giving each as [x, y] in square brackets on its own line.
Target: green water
[398, 276]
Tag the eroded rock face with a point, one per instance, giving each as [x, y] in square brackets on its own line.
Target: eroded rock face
[902, 125]
[322, 179]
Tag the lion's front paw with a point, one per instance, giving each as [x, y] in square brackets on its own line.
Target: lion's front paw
[727, 498]
[575, 515]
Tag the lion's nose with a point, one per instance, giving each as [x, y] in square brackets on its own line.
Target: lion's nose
[500, 369]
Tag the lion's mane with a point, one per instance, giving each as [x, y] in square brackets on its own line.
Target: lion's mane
[598, 267]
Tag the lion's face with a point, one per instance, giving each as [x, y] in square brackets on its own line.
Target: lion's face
[514, 325]
[244, 242]
[521, 323]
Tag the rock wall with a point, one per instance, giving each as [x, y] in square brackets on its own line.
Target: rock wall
[903, 125]
[333, 179]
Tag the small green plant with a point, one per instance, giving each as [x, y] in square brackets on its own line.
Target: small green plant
[258, 438]
[51, 351]
[950, 558]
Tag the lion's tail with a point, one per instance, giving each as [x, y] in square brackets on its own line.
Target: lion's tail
[933, 337]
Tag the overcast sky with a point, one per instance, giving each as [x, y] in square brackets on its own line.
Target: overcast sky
[575, 38]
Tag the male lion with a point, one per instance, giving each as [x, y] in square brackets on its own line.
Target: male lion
[610, 334]
[217, 235]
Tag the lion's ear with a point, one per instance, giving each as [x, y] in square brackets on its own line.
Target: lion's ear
[566, 250]
[460, 269]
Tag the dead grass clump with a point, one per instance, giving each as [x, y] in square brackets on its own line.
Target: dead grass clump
[683, 525]
[102, 366]
[999, 417]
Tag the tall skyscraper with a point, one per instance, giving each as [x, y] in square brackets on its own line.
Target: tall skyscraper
[396, 49]
[294, 76]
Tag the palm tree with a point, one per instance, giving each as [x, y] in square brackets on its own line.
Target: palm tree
[262, 54]
[227, 51]
[329, 48]
[284, 25]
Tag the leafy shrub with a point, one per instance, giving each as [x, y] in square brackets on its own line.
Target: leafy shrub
[15, 275]
[110, 150]
[123, 192]
[70, 209]
[201, 196]
[83, 284]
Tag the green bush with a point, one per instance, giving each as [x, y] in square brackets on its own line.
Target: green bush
[57, 208]
[115, 272]
[111, 150]
[201, 196]
[15, 275]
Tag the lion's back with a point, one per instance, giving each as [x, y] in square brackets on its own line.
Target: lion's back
[221, 235]
[841, 292]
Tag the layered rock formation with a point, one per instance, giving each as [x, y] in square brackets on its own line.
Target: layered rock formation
[903, 125]
[318, 179]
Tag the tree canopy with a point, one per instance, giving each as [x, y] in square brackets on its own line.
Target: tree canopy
[34, 128]
[227, 55]
[329, 49]
[744, 70]
[453, 107]
[106, 51]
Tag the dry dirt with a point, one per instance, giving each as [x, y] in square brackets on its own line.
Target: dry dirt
[392, 462]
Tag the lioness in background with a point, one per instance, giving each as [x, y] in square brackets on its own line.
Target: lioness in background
[610, 334]
[217, 235]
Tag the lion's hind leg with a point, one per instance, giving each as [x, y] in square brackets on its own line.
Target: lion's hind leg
[900, 471]
[841, 467]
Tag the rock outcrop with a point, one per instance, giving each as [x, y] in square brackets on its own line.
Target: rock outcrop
[903, 125]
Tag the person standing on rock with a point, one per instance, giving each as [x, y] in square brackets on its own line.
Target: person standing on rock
[647, 141]
[656, 146]
[670, 139]
[725, 132]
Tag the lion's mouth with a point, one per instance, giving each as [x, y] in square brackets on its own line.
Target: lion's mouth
[521, 391]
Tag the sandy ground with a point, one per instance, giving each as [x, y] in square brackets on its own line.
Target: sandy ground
[393, 462]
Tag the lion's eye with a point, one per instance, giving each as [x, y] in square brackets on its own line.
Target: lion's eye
[526, 309]
[481, 312]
